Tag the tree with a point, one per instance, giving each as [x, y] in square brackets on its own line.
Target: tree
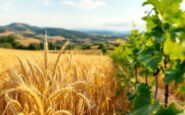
[34, 46]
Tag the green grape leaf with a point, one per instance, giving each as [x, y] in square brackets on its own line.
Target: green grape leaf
[151, 22]
[171, 110]
[148, 110]
[143, 96]
[151, 2]
[174, 50]
[154, 29]
[182, 90]
[123, 55]
[182, 35]
[150, 59]
[175, 73]
[169, 10]
[183, 113]
[131, 96]
[118, 55]
[120, 75]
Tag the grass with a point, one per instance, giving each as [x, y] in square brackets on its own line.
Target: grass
[40, 83]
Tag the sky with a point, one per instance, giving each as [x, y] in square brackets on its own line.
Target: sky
[117, 15]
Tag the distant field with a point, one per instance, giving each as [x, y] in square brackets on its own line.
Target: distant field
[8, 57]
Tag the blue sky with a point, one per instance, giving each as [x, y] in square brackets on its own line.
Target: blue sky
[118, 15]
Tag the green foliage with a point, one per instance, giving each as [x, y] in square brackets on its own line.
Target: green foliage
[51, 46]
[6, 45]
[85, 46]
[168, 9]
[150, 109]
[143, 96]
[69, 47]
[131, 96]
[7, 39]
[171, 110]
[182, 90]
[120, 54]
[160, 49]
[156, 109]
[34, 46]
[121, 79]
[101, 45]
[126, 55]
[175, 52]
[10, 42]
[150, 59]
[104, 50]
[175, 73]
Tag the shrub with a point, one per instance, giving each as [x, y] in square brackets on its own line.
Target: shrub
[10, 42]
[34, 46]
[5, 45]
[85, 47]
[104, 50]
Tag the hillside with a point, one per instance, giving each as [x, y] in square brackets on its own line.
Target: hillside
[27, 33]
[105, 33]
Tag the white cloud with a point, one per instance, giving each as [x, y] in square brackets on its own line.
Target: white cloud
[85, 4]
[69, 3]
[6, 6]
[45, 2]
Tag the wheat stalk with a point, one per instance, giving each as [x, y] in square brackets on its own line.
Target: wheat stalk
[32, 96]
[61, 112]
[46, 56]
[23, 68]
[31, 68]
[58, 93]
[13, 103]
[58, 57]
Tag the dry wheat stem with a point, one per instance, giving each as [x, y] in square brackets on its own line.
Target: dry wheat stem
[16, 104]
[62, 112]
[58, 57]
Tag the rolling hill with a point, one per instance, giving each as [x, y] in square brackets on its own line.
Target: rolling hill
[28, 33]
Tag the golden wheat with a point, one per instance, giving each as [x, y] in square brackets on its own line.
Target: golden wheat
[67, 84]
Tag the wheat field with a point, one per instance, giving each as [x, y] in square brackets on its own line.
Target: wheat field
[41, 83]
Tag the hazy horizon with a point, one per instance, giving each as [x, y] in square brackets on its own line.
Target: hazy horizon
[76, 14]
[75, 29]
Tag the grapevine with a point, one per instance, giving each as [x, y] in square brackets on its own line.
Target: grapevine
[157, 52]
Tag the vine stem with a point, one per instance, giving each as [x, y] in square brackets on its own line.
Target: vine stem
[166, 86]
[165, 67]
[136, 76]
[156, 83]
[166, 95]
[146, 78]
[156, 87]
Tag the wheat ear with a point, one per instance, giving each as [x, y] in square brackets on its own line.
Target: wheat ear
[45, 55]
[58, 93]
[58, 57]
[32, 96]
